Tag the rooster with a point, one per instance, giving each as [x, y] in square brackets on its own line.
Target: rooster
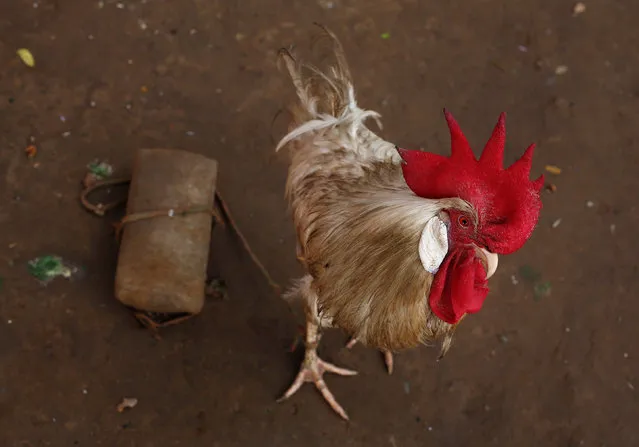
[397, 244]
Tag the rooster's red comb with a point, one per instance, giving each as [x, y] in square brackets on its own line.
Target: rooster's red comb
[507, 202]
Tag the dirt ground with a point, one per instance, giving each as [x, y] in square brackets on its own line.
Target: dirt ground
[551, 360]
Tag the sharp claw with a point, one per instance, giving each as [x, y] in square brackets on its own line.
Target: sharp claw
[312, 370]
[351, 343]
[297, 384]
[388, 359]
[328, 396]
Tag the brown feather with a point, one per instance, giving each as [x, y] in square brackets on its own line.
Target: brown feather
[358, 224]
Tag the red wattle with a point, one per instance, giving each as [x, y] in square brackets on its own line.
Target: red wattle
[459, 287]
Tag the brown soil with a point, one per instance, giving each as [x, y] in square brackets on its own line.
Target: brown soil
[531, 369]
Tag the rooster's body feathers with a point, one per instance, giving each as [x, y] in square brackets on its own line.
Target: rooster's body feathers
[358, 223]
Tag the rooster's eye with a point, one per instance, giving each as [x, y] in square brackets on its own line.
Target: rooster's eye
[463, 221]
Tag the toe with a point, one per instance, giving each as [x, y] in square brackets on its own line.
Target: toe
[328, 396]
[297, 384]
[388, 359]
[337, 370]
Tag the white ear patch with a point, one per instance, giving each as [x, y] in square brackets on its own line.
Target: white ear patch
[433, 244]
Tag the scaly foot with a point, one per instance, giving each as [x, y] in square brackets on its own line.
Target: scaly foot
[312, 370]
[388, 356]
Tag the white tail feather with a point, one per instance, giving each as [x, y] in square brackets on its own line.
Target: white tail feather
[328, 107]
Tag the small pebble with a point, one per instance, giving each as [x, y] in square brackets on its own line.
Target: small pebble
[590, 204]
[613, 228]
[127, 403]
[85, 391]
[625, 355]
[514, 280]
[190, 133]
[579, 8]
[561, 70]
[556, 223]
[66, 134]
[567, 329]
[9, 321]
[119, 5]
[523, 48]
[142, 24]
[631, 386]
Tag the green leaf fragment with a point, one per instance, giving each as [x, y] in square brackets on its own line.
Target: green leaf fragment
[100, 169]
[45, 268]
[385, 36]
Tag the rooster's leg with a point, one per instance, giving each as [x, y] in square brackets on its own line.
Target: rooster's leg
[313, 369]
[388, 356]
